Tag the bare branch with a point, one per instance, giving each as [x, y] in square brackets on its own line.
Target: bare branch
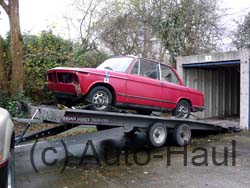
[84, 17]
[5, 6]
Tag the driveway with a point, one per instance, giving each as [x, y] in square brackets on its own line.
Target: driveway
[118, 160]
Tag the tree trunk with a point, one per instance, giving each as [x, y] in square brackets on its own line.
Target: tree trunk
[17, 75]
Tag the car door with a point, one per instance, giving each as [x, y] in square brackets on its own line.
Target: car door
[143, 84]
[170, 87]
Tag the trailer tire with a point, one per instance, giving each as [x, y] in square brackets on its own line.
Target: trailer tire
[182, 135]
[157, 135]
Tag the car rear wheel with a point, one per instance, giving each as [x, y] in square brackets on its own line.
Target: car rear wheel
[100, 99]
[182, 110]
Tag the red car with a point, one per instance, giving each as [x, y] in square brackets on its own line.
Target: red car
[126, 82]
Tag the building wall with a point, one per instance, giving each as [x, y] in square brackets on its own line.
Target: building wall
[244, 89]
[204, 58]
[223, 98]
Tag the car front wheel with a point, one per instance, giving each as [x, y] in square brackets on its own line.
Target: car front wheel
[100, 99]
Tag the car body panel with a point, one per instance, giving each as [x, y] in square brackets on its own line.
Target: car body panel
[6, 132]
[128, 88]
[149, 94]
[4, 174]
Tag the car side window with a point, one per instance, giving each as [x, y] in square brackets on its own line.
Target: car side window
[135, 69]
[149, 69]
[167, 74]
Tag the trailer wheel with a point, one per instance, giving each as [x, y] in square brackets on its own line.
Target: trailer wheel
[182, 135]
[157, 135]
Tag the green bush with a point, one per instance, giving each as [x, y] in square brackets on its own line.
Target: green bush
[41, 53]
[47, 51]
[17, 106]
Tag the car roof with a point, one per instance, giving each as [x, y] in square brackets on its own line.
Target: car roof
[137, 57]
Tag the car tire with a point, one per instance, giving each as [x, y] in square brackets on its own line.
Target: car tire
[182, 135]
[100, 99]
[182, 110]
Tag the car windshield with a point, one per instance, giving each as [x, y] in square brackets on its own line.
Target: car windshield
[119, 64]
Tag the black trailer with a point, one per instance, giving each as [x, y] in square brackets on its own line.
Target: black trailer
[157, 128]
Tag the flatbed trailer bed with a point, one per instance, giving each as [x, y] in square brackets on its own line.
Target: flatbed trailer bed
[157, 128]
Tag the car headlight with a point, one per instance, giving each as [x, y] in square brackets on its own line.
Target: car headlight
[6, 131]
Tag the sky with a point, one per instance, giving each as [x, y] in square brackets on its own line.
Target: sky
[235, 10]
[38, 15]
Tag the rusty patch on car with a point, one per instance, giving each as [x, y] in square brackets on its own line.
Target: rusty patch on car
[78, 90]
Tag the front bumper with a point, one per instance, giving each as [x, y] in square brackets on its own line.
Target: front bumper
[4, 174]
[198, 108]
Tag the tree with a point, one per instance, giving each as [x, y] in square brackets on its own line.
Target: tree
[11, 7]
[129, 28]
[82, 19]
[190, 27]
[242, 35]
[160, 28]
[120, 34]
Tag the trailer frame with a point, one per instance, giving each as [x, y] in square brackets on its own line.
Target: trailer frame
[155, 127]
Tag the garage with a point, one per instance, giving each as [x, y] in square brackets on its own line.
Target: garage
[224, 79]
[220, 81]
